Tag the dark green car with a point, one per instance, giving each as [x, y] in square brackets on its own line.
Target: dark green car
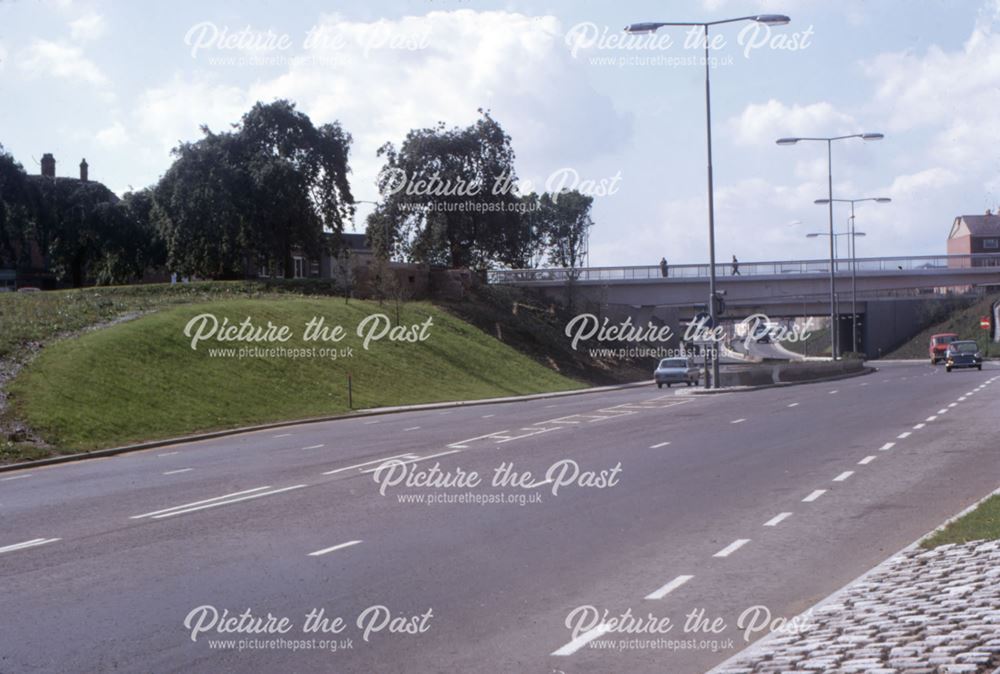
[963, 353]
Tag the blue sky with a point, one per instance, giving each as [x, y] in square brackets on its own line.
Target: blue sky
[122, 83]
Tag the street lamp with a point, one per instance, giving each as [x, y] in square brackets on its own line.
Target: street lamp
[854, 265]
[652, 27]
[829, 182]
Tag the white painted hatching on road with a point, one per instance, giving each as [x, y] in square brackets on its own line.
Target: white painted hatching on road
[813, 496]
[368, 463]
[777, 519]
[669, 587]
[215, 504]
[339, 546]
[732, 547]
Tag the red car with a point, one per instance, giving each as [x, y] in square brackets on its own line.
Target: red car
[939, 346]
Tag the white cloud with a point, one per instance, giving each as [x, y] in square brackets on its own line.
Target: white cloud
[388, 77]
[90, 26]
[113, 136]
[44, 58]
[921, 183]
[3, 56]
[763, 123]
[176, 110]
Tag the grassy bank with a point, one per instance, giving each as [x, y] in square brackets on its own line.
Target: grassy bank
[141, 380]
[983, 523]
[964, 322]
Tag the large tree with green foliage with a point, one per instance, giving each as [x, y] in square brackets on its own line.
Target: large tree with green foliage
[252, 195]
[449, 197]
[15, 207]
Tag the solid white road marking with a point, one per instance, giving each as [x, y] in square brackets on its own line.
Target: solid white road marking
[865, 461]
[368, 463]
[813, 496]
[737, 421]
[313, 446]
[777, 519]
[659, 444]
[168, 454]
[582, 640]
[732, 547]
[208, 500]
[904, 435]
[179, 470]
[887, 446]
[793, 404]
[669, 587]
[233, 500]
[281, 435]
[332, 548]
[15, 477]
[918, 427]
[28, 544]
[843, 476]
[931, 417]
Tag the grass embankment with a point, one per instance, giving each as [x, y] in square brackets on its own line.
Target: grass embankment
[964, 322]
[983, 523]
[141, 380]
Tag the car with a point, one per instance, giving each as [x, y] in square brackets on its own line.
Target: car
[963, 353]
[939, 345]
[675, 371]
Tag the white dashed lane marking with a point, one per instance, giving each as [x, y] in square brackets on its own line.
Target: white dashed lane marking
[904, 435]
[732, 547]
[887, 446]
[793, 404]
[339, 546]
[669, 587]
[313, 446]
[737, 421]
[178, 471]
[843, 476]
[865, 461]
[813, 496]
[777, 519]
[582, 640]
[659, 444]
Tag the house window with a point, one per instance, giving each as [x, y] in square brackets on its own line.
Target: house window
[991, 243]
[314, 268]
[300, 263]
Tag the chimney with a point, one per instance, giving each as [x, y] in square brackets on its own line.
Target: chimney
[48, 165]
[83, 170]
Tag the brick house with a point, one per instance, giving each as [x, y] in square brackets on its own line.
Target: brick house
[975, 234]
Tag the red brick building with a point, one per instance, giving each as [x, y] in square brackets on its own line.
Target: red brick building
[974, 234]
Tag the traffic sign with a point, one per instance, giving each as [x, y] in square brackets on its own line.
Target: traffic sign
[984, 322]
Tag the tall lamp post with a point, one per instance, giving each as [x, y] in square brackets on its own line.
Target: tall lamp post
[829, 183]
[652, 27]
[854, 265]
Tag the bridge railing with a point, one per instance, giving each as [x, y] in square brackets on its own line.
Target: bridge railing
[728, 270]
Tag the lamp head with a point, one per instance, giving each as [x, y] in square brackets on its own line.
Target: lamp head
[772, 19]
[787, 141]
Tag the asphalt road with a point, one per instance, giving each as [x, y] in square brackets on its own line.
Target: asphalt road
[712, 504]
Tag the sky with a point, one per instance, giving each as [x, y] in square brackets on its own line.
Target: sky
[587, 107]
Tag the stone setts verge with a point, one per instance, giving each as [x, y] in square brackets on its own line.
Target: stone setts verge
[922, 612]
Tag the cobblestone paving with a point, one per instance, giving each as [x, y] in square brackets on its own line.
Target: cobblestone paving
[923, 612]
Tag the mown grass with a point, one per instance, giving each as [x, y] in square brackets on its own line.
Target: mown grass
[983, 523]
[140, 380]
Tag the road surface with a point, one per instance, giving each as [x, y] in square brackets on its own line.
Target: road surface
[712, 504]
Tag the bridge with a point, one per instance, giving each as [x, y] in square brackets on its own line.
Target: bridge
[891, 287]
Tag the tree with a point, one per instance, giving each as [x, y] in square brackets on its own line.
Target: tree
[15, 211]
[273, 184]
[132, 244]
[564, 224]
[449, 197]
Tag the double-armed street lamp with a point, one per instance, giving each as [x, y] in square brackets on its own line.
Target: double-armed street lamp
[652, 27]
[829, 181]
[854, 266]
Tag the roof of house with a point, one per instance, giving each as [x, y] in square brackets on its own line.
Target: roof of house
[981, 225]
